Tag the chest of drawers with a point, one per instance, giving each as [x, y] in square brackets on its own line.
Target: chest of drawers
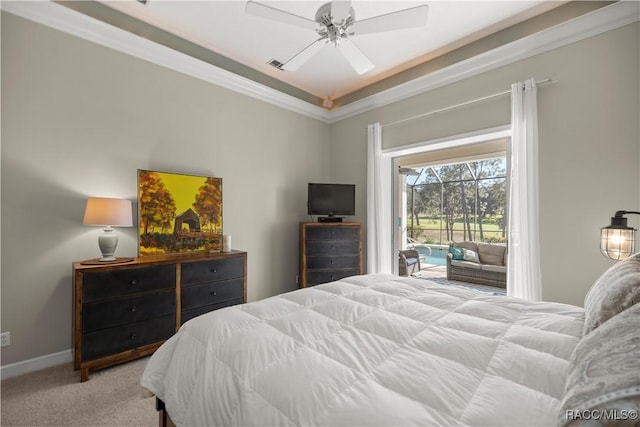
[126, 311]
[209, 285]
[329, 251]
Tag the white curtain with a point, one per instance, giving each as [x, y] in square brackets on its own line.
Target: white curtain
[379, 207]
[523, 264]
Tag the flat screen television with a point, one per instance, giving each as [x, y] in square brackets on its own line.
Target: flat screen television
[331, 199]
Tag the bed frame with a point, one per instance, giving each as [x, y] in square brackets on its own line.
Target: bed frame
[164, 420]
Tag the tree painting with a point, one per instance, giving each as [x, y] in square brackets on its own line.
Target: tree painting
[178, 213]
[208, 204]
[156, 205]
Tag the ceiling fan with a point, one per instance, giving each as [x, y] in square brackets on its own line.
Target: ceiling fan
[335, 23]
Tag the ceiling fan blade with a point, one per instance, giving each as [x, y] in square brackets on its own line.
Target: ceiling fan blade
[268, 12]
[354, 55]
[406, 18]
[304, 55]
[340, 10]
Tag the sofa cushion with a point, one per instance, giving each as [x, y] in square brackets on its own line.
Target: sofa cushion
[615, 291]
[496, 268]
[466, 264]
[411, 261]
[491, 254]
[603, 373]
[471, 256]
[457, 253]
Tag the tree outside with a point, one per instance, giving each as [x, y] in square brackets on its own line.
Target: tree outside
[456, 202]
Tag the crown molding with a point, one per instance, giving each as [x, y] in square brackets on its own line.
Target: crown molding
[77, 24]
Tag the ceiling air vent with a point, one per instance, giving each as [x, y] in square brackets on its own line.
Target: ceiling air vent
[276, 64]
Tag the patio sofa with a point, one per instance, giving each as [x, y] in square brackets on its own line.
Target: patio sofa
[474, 262]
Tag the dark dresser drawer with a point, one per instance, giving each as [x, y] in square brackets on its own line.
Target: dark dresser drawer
[115, 340]
[319, 277]
[333, 233]
[211, 270]
[194, 312]
[329, 251]
[108, 284]
[321, 247]
[109, 313]
[211, 293]
[331, 262]
[126, 310]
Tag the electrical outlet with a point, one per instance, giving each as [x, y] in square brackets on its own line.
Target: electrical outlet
[5, 339]
[297, 280]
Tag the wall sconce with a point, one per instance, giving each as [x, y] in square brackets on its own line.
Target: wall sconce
[108, 213]
[618, 240]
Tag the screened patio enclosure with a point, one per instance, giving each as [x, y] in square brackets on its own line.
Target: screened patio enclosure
[457, 201]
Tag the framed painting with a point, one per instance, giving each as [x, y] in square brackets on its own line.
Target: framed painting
[178, 213]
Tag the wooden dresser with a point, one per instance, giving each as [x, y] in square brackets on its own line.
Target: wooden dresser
[329, 251]
[126, 311]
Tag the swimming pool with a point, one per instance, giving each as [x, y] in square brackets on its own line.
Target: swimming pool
[437, 255]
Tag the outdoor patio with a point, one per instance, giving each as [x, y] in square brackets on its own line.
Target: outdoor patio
[438, 274]
[431, 270]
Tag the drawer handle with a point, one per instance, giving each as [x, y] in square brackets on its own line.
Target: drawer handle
[133, 336]
[213, 270]
[133, 309]
[134, 282]
[213, 293]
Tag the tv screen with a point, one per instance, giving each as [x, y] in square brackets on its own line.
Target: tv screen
[331, 199]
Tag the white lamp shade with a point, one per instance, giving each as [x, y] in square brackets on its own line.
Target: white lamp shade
[107, 211]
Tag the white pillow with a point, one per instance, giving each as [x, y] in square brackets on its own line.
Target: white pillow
[470, 255]
[614, 292]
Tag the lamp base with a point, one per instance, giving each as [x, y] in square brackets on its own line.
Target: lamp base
[99, 261]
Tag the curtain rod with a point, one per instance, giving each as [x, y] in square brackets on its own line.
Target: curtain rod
[462, 104]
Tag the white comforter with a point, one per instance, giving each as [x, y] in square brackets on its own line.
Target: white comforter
[369, 350]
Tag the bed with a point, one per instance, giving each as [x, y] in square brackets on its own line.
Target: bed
[390, 351]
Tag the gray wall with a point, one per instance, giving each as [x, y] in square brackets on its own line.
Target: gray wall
[79, 119]
[589, 151]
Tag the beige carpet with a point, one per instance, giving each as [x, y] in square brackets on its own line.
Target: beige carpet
[56, 397]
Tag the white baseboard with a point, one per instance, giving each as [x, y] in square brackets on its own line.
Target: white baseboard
[36, 364]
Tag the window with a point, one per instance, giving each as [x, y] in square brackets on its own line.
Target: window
[457, 201]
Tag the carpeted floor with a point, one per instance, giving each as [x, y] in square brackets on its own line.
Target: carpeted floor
[56, 397]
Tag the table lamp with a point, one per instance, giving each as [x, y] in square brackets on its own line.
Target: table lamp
[108, 213]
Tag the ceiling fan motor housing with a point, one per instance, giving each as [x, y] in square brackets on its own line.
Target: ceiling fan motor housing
[334, 31]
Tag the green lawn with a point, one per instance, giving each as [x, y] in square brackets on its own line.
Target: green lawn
[429, 230]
